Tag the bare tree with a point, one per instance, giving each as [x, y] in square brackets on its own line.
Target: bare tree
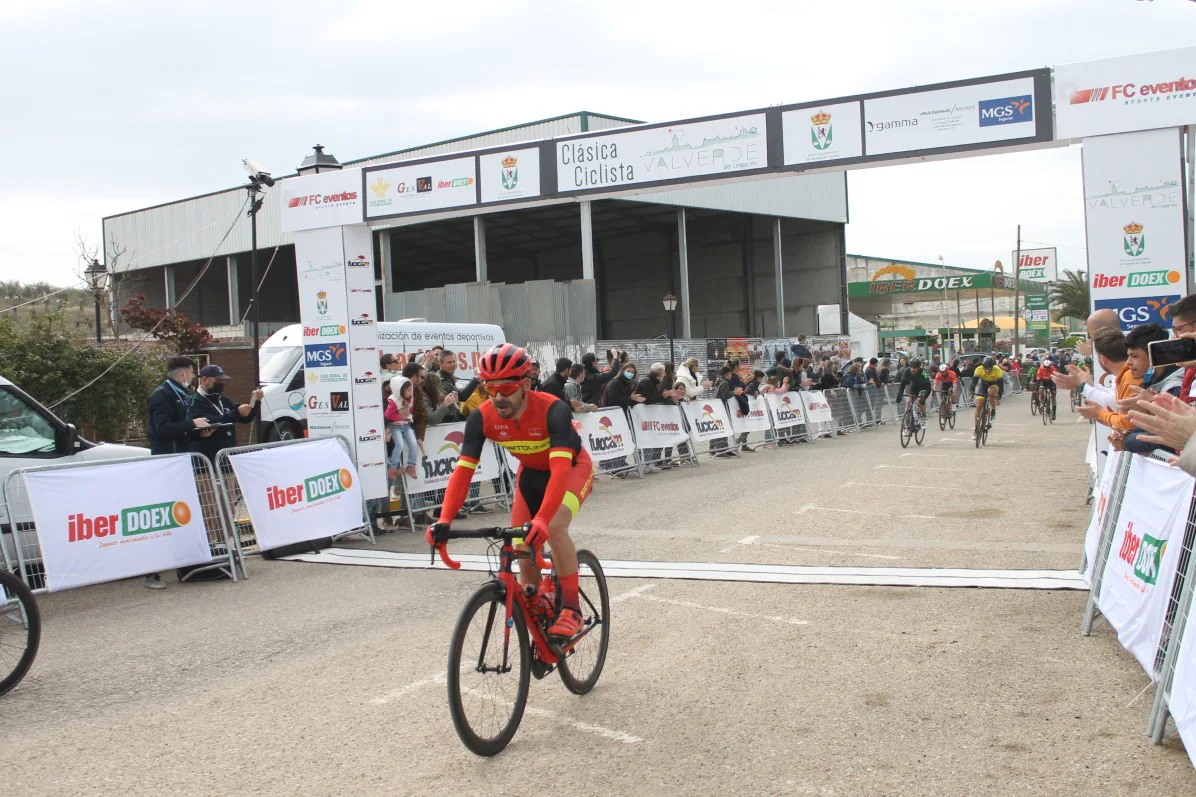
[88, 254]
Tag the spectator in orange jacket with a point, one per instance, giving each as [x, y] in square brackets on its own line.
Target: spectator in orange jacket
[1110, 348]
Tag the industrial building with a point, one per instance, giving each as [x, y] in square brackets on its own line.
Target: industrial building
[562, 268]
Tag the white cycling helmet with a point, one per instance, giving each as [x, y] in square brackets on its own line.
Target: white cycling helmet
[943, 368]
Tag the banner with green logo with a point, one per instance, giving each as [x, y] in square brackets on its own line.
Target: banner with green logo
[117, 520]
[1140, 569]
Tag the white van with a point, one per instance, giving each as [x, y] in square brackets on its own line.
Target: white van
[32, 435]
[284, 412]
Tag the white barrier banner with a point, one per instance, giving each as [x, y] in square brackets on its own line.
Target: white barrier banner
[1183, 690]
[442, 449]
[117, 520]
[818, 409]
[756, 420]
[786, 409]
[1100, 508]
[606, 434]
[658, 426]
[708, 420]
[299, 492]
[1141, 566]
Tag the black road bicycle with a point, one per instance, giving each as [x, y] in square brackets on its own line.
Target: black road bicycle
[984, 423]
[946, 411]
[913, 424]
[20, 630]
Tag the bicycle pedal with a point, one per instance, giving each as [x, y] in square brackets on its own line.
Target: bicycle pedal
[540, 669]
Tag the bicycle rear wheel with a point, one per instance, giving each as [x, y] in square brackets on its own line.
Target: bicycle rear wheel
[1044, 409]
[951, 418]
[907, 429]
[582, 665]
[944, 411]
[489, 670]
[20, 630]
[981, 424]
[1034, 403]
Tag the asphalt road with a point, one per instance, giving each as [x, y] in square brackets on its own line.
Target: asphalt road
[322, 679]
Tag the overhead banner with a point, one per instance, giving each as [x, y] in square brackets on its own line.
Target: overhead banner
[756, 420]
[1183, 690]
[510, 175]
[442, 449]
[1037, 265]
[426, 186]
[299, 492]
[330, 199]
[1100, 508]
[606, 433]
[786, 409]
[818, 409]
[983, 280]
[1119, 95]
[658, 426]
[961, 116]
[117, 520]
[708, 420]
[665, 152]
[822, 133]
[1134, 219]
[1138, 575]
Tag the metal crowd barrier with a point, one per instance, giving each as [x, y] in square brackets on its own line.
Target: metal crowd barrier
[1108, 526]
[244, 536]
[1175, 625]
[841, 409]
[22, 551]
[660, 458]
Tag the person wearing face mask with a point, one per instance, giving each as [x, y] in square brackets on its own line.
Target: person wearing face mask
[620, 392]
[212, 405]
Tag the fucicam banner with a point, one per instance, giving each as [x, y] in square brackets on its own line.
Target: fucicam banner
[756, 420]
[818, 409]
[708, 420]
[786, 409]
[1100, 508]
[1139, 572]
[606, 434]
[442, 449]
[658, 425]
[117, 520]
[1183, 690]
[299, 492]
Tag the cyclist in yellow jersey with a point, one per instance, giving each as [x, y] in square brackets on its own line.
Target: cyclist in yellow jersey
[988, 382]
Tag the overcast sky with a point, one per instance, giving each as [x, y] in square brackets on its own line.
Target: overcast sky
[118, 105]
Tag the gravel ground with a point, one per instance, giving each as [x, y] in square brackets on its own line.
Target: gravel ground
[319, 679]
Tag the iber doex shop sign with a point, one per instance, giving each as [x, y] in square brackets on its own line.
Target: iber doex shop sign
[311, 490]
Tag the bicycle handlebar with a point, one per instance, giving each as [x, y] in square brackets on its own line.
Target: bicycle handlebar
[497, 532]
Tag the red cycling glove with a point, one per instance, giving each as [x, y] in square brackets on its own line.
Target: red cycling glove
[537, 535]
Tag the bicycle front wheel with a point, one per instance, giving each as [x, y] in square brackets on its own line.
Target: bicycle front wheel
[951, 418]
[907, 430]
[489, 670]
[1044, 410]
[583, 663]
[920, 434]
[20, 630]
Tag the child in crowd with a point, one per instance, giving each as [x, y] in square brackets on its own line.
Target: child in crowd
[399, 411]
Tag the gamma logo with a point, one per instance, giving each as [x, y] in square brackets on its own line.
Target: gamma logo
[310, 490]
[1005, 111]
[131, 522]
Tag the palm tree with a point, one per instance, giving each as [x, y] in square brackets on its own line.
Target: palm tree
[1070, 295]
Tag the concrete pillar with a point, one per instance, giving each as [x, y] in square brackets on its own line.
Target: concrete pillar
[479, 248]
[587, 241]
[779, 272]
[234, 297]
[168, 276]
[386, 263]
[683, 258]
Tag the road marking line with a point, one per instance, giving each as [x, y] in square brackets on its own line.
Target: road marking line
[633, 593]
[390, 697]
[825, 550]
[913, 467]
[748, 540]
[898, 486]
[598, 730]
[801, 510]
[722, 610]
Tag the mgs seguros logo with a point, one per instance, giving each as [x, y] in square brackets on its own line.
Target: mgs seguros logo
[133, 521]
[310, 491]
[1008, 110]
[325, 355]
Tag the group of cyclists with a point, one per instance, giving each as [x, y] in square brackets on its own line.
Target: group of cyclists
[987, 380]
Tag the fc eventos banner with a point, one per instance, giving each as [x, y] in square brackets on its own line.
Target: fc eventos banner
[117, 521]
[299, 492]
[658, 426]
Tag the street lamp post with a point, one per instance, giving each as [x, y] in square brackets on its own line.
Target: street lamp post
[259, 180]
[97, 278]
[670, 306]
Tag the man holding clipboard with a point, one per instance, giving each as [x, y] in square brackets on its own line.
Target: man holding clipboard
[221, 413]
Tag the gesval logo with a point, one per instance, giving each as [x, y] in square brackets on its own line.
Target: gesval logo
[130, 522]
[310, 490]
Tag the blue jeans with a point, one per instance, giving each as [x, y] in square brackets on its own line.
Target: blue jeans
[406, 450]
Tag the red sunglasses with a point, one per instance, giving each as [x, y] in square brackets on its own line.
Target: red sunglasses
[502, 388]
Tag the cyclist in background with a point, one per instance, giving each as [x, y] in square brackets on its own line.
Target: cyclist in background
[919, 386]
[988, 383]
[1042, 379]
[946, 382]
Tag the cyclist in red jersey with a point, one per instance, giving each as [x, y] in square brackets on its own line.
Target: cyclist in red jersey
[946, 382]
[1042, 377]
[555, 473]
